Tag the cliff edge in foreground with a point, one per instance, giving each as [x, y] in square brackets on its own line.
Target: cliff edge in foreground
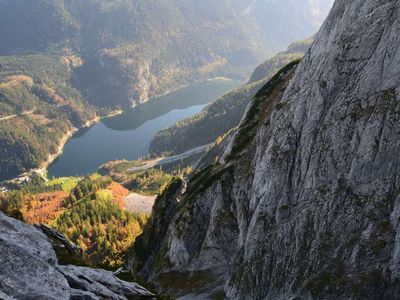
[29, 270]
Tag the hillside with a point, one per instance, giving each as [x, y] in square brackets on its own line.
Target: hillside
[271, 66]
[304, 203]
[66, 62]
[38, 109]
[133, 51]
[226, 112]
[100, 213]
[285, 21]
[91, 213]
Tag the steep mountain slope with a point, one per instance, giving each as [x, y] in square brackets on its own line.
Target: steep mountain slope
[32, 26]
[305, 202]
[140, 49]
[226, 112]
[133, 51]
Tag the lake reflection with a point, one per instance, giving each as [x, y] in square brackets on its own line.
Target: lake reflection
[128, 136]
[199, 94]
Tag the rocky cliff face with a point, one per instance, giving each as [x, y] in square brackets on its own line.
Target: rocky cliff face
[29, 270]
[304, 204]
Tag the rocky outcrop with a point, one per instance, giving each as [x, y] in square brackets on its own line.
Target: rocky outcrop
[148, 245]
[29, 270]
[59, 238]
[304, 204]
[100, 284]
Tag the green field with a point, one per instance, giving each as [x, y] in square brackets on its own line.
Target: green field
[67, 183]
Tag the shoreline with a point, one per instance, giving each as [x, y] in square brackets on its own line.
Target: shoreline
[183, 86]
[112, 114]
[42, 169]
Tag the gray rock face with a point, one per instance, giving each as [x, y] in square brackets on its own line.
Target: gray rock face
[202, 237]
[29, 270]
[28, 263]
[148, 245]
[101, 283]
[59, 238]
[305, 202]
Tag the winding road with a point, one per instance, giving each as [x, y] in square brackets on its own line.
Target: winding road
[170, 159]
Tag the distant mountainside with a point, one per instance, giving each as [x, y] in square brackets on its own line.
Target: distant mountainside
[285, 21]
[65, 62]
[271, 66]
[38, 109]
[134, 50]
[226, 112]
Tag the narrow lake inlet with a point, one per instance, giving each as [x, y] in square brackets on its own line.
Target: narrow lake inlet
[128, 136]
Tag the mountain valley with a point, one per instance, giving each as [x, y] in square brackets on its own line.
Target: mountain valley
[73, 62]
[182, 149]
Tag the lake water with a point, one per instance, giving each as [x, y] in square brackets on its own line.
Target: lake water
[128, 136]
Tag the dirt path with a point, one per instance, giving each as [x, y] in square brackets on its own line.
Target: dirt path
[7, 118]
[139, 203]
[22, 114]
